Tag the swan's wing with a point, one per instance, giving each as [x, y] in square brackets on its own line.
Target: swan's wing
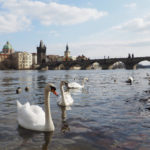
[68, 98]
[30, 116]
[59, 100]
[74, 85]
[18, 104]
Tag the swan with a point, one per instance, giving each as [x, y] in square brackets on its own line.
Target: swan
[130, 80]
[75, 85]
[65, 99]
[33, 117]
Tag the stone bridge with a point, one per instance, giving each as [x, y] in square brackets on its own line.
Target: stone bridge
[129, 63]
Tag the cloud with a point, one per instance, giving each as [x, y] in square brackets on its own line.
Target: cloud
[136, 25]
[131, 5]
[26, 12]
[12, 23]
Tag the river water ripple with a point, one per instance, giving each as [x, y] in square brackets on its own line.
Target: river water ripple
[107, 114]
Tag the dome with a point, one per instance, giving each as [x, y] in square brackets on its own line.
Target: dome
[7, 46]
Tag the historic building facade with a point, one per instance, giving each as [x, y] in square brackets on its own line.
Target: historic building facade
[41, 53]
[34, 58]
[3, 57]
[53, 58]
[22, 60]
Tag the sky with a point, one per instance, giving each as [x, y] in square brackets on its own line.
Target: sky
[94, 28]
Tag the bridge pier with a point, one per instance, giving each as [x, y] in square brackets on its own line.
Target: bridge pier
[105, 67]
[129, 67]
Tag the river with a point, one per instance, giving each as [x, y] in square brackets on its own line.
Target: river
[108, 114]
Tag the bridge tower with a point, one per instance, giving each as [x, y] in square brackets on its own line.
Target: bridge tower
[67, 53]
[41, 53]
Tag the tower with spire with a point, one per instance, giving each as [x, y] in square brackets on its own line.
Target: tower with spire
[67, 53]
[41, 53]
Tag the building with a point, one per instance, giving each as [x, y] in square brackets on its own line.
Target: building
[67, 54]
[6, 52]
[41, 53]
[22, 60]
[34, 58]
[82, 57]
[53, 58]
[7, 48]
[3, 57]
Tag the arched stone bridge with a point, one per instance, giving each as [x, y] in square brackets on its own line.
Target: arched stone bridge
[129, 63]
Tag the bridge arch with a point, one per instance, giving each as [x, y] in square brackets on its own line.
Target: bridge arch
[143, 64]
[75, 67]
[93, 65]
[61, 67]
[117, 65]
[96, 65]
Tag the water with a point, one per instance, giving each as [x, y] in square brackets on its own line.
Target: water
[106, 115]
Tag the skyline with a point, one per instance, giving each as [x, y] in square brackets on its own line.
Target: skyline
[94, 29]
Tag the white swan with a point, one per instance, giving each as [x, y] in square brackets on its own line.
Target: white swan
[33, 117]
[65, 99]
[130, 80]
[75, 85]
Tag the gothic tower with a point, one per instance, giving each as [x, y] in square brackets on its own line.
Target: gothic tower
[41, 53]
[67, 53]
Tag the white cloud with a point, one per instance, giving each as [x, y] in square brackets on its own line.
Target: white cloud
[131, 5]
[136, 25]
[26, 11]
[12, 23]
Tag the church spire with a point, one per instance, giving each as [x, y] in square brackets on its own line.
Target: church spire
[67, 53]
[67, 48]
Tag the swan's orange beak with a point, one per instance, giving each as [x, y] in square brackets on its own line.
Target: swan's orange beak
[54, 92]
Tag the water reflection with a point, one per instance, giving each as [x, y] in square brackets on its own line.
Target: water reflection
[41, 80]
[109, 115]
[65, 126]
[47, 138]
[28, 135]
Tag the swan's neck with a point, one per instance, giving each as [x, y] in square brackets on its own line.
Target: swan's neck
[49, 126]
[62, 93]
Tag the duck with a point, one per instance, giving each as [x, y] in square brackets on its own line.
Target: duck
[75, 85]
[33, 117]
[26, 89]
[65, 99]
[18, 90]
